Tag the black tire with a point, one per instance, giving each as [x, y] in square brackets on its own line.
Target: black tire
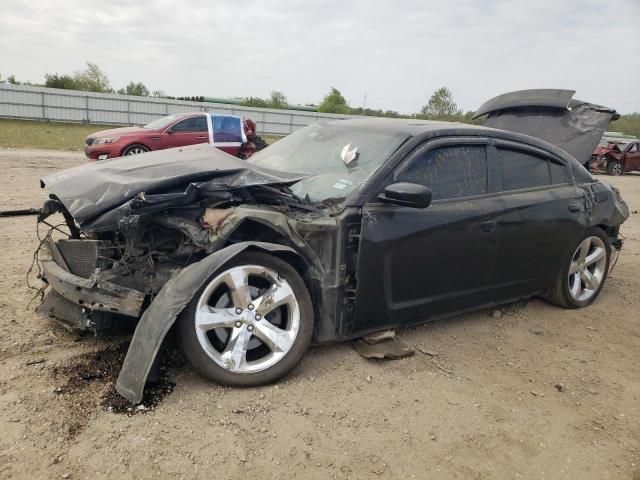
[208, 368]
[134, 150]
[560, 294]
[615, 168]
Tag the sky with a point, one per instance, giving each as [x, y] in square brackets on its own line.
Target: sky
[394, 52]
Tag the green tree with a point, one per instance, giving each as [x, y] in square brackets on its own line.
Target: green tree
[334, 102]
[93, 79]
[138, 89]
[441, 106]
[255, 102]
[278, 100]
[54, 80]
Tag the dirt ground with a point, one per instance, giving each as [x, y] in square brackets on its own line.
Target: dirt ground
[485, 407]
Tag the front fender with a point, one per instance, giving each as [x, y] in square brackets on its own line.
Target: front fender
[165, 308]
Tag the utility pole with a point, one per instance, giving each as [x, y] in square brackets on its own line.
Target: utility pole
[364, 104]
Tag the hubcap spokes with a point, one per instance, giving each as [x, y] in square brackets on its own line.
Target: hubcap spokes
[587, 268]
[247, 319]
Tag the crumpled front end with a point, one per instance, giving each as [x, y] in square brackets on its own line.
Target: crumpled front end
[81, 296]
[140, 246]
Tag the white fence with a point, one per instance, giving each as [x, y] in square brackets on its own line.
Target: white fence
[55, 105]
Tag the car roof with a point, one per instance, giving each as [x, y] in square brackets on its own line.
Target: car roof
[409, 126]
[428, 129]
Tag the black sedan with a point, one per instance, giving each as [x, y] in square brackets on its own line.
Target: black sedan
[386, 223]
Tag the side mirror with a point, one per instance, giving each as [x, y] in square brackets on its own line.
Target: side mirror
[169, 131]
[407, 195]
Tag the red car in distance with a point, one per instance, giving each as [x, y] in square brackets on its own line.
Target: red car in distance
[616, 157]
[177, 130]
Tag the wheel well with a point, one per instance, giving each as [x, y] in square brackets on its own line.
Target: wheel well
[610, 232]
[251, 230]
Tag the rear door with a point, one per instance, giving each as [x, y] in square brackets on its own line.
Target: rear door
[632, 158]
[190, 131]
[415, 263]
[544, 213]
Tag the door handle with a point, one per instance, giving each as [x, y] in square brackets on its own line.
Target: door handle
[488, 227]
[201, 137]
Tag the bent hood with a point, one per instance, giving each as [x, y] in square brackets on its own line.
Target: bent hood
[88, 191]
[552, 115]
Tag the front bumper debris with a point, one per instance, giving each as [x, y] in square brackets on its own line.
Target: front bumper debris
[93, 293]
[79, 297]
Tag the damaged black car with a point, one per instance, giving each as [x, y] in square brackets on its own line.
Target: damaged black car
[380, 224]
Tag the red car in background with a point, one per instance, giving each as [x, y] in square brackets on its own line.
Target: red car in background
[172, 131]
[616, 157]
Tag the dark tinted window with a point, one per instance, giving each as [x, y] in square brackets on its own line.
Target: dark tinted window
[522, 170]
[193, 124]
[558, 173]
[450, 172]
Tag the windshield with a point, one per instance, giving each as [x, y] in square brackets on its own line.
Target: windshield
[324, 150]
[161, 122]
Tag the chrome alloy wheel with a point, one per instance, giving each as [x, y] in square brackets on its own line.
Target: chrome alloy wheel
[616, 169]
[247, 319]
[136, 151]
[587, 268]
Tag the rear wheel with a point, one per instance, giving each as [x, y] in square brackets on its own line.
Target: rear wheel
[584, 272]
[614, 167]
[251, 322]
[134, 150]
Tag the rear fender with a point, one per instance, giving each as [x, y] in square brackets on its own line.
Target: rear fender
[164, 310]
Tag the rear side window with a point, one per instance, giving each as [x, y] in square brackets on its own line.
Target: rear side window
[451, 172]
[193, 124]
[522, 170]
[558, 173]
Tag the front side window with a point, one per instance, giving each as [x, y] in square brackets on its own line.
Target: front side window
[192, 124]
[450, 172]
[633, 148]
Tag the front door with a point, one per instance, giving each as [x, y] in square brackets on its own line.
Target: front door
[415, 263]
[189, 131]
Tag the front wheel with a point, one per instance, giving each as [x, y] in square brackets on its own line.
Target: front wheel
[134, 150]
[584, 271]
[614, 168]
[250, 323]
